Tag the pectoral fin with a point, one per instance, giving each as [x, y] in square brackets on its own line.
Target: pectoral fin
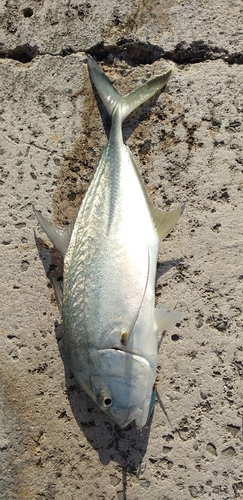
[165, 318]
[126, 334]
[168, 305]
[60, 237]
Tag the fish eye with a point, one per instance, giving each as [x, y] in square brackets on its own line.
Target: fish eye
[105, 401]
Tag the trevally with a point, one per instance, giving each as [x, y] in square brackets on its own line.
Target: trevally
[110, 253]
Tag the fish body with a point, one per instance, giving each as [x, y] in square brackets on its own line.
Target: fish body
[110, 254]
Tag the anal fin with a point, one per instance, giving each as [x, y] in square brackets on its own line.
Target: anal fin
[58, 289]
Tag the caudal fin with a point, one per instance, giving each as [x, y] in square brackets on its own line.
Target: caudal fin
[103, 85]
[110, 97]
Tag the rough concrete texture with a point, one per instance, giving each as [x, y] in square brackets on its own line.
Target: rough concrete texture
[55, 444]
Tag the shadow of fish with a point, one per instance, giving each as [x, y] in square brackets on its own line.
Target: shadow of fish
[110, 253]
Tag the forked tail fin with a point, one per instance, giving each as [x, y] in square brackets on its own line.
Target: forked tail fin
[110, 97]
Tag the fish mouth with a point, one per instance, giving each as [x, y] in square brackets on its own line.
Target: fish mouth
[125, 350]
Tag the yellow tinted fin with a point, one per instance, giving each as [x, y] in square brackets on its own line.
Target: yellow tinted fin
[165, 221]
[137, 97]
[59, 236]
[166, 319]
[58, 289]
[103, 85]
[110, 97]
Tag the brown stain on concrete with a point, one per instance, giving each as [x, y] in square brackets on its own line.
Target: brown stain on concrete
[79, 163]
[141, 13]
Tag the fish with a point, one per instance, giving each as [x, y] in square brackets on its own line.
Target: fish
[110, 250]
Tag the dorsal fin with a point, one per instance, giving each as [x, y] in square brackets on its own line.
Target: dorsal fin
[165, 221]
[60, 237]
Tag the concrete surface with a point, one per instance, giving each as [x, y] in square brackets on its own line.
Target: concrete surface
[188, 143]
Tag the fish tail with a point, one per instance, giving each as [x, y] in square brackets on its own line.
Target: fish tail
[110, 97]
[143, 93]
[103, 85]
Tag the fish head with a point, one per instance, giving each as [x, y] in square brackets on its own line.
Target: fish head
[122, 384]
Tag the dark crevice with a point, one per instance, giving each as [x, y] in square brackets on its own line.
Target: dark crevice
[134, 53]
[67, 51]
[195, 52]
[200, 51]
[235, 58]
[22, 53]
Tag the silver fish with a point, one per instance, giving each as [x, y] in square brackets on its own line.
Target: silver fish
[110, 253]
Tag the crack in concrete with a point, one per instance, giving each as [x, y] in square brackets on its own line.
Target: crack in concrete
[134, 52]
[17, 142]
